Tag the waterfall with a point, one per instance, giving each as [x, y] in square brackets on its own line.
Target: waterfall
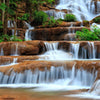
[14, 50]
[28, 33]
[82, 9]
[51, 46]
[53, 53]
[95, 88]
[12, 24]
[92, 50]
[75, 50]
[55, 14]
[71, 31]
[80, 77]
[2, 52]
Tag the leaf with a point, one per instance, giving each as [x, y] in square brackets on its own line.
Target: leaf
[3, 6]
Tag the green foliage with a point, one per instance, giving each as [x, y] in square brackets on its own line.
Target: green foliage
[3, 6]
[15, 38]
[97, 20]
[52, 22]
[87, 35]
[11, 11]
[40, 17]
[1, 24]
[50, 1]
[37, 3]
[25, 17]
[70, 18]
[9, 38]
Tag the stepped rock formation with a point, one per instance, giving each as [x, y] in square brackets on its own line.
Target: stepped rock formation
[53, 56]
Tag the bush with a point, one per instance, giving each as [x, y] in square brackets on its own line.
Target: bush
[25, 17]
[9, 38]
[40, 17]
[70, 18]
[52, 22]
[87, 35]
[97, 20]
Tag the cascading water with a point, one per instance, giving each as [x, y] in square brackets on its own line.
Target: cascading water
[55, 14]
[53, 53]
[75, 50]
[2, 52]
[14, 50]
[71, 31]
[82, 9]
[92, 50]
[28, 33]
[12, 24]
[56, 75]
[14, 62]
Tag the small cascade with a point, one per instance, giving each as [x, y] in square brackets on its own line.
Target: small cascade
[12, 24]
[55, 14]
[2, 52]
[51, 46]
[75, 50]
[81, 24]
[95, 88]
[82, 9]
[92, 50]
[53, 53]
[84, 54]
[71, 31]
[14, 50]
[80, 77]
[28, 32]
[14, 62]
[73, 72]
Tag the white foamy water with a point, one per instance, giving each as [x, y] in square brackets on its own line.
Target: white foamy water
[53, 53]
[28, 33]
[82, 9]
[93, 93]
[84, 95]
[92, 50]
[55, 79]
[76, 52]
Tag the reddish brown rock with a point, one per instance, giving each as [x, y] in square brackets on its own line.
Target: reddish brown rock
[26, 65]
[23, 48]
[52, 34]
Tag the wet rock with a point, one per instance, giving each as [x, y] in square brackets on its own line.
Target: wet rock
[52, 34]
[22, 48]
[32, 65]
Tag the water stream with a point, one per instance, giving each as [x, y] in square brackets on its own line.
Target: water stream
[14, 62]
[56, 76]
[82, 9]
[53, 53]
[2, 52]
[28, 32]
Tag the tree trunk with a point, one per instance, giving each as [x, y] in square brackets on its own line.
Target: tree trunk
[6, 18]
[3, 14]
